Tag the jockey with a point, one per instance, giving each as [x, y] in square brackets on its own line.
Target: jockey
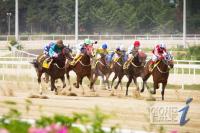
[159, 52]
[46, 48]
[80, 50]
[119, 51]
[51, 51]
[56, 49]
[132, 52]
[102, 50]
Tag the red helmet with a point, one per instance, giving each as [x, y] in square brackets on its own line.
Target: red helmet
[136, 43]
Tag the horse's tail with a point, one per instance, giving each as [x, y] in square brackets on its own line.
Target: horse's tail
[35, 63]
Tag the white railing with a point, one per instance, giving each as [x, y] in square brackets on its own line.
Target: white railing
[103, 37]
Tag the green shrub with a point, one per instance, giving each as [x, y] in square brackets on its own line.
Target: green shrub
[12, 122]
[194, 52]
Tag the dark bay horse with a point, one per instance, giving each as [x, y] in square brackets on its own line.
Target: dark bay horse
[101, 69]
[118, 71]
[82, 68]
[56, 69]
[160, 74]
[135, 69]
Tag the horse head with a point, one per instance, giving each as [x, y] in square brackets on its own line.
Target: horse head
[142, 58]
[168, 60]
[89, 50]
[67, 52]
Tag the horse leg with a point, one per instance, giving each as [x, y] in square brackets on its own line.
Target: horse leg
[46, 77]
[112, 93]
[119, 81]
[163, 90]
[155, 86]
[69, 83]
[53, 86]
[63, 81]
[107, 81]
[92, 81]
[128, 83]
[81, 81]
[39, 74]
[78, 79]
[145, 78]
[135, 81]
[113, 80]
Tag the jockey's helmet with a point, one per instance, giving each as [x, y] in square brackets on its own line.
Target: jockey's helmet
[136, 43]
[104, 46]
[60, 43]
[87, 41]
[122, 48]
[162, 46]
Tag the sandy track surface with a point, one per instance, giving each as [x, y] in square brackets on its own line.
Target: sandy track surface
[129, 112]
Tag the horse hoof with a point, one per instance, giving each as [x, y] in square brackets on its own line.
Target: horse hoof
[112, 94]
[56, 93]
[64, 85]
[142, 90]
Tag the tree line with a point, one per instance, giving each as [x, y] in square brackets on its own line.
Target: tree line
[101, 16]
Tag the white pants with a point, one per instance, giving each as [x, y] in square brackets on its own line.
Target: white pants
[98, 56]
[130, 56]
[154, 58]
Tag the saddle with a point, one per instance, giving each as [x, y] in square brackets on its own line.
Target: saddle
[154, 66]
[76, 60]
[45, 61]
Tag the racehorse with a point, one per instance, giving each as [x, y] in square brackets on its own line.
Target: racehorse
[56, 69]
[118, 71]
[135, 69]
[160, 73]
[82, 68]
[101, 69]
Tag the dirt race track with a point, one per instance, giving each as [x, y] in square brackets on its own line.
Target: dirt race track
[129, 112]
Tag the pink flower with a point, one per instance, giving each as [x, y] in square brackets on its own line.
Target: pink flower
[53, 128]
[3, 131]
[174, 131]
[37, 130]
[63, 130]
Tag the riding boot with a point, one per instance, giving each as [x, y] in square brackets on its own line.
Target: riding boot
[151, 66]
[111, 64]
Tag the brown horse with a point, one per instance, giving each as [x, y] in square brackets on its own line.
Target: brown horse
[160, 74]
[82, 68]
[56, 69]
[101, 69]
[118, 71]
[135, 69]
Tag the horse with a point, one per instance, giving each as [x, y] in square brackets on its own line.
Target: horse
[118, 71]
[160, 73]
[56, 69]
[101, 69]
[82, 68]
[135, 69]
